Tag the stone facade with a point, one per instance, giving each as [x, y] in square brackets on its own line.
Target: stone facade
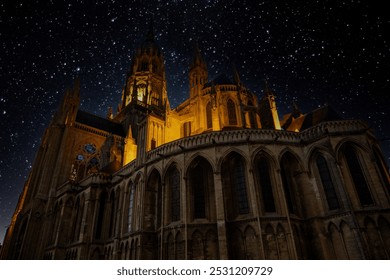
[218, 177]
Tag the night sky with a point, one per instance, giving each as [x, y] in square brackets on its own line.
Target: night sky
[311, 52]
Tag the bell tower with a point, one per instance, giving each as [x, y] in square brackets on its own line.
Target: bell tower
[198, 73]
[146, 84]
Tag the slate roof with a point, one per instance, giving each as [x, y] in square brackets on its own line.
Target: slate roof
[100, 123]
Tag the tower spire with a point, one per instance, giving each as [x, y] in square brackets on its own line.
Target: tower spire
[236, 76]
[150, 34]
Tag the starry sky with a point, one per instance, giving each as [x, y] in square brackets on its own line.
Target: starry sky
[311, 52]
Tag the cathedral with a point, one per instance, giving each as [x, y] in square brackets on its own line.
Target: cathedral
[220, 176]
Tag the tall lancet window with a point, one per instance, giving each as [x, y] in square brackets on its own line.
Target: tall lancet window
[231, 109]
[266, 185]
[327, 183]
[174, 183]
[358, 177]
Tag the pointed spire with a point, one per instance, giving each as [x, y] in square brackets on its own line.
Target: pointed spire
[197, 59]
[150, 34]
[267, 89]
[296, 112]
[76, 86]
[236, 76]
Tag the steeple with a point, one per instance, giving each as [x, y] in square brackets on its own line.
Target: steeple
[236, 76]
[198, 72]
[150, 34]
[268, 113]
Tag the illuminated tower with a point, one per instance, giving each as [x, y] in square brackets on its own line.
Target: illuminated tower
[146, 84]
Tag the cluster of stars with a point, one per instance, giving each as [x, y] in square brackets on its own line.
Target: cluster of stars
[312, 52]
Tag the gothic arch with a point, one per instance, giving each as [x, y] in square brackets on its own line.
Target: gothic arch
[201, 192]
[231, 110]
[200, 154]
[349, 141]
[172, 194]
[228, 152]
[321, 166]
[265, 152]
[264, 177]
[290, 168]
[234, 185]
[153, 201]
[355, 172]
[313, 152]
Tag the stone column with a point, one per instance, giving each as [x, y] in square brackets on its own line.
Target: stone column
[220, 212]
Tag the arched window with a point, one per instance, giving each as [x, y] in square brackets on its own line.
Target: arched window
[199, 183]
[234, 182]
[358, 177]
[174, 186]
[327, 183]
[231, 109]
[290, 170]
[209, 116]
[287, 187]
[266, 185]
[252, 116]
[201, 189]
[131, 208]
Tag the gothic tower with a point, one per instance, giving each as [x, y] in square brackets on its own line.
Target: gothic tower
[146, 84]
[198, 73]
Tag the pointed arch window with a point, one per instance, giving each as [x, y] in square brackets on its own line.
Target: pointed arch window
[199, 187]
[327, 183]
[231, 109]
[234, 181]
[358, 177]
[266, 185]
[252, 116]
[209, 116]
[174, 183]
